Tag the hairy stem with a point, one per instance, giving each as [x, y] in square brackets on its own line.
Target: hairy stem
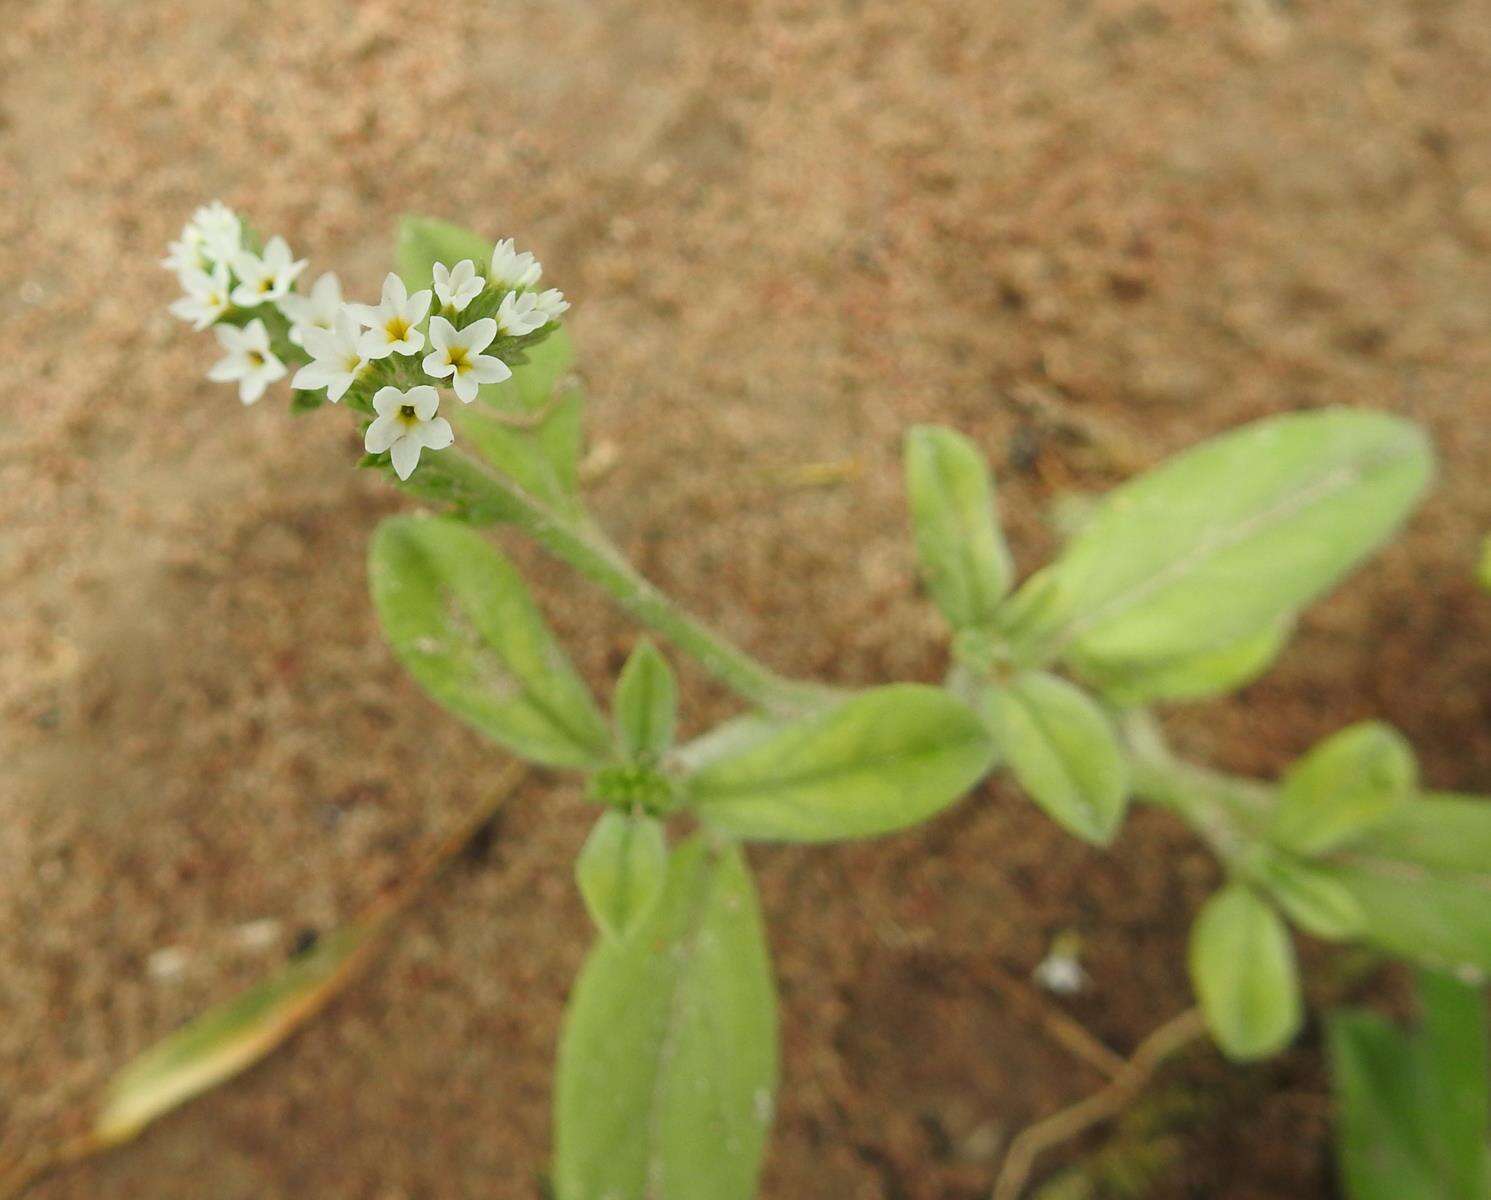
[1226, 811]
[579, 542]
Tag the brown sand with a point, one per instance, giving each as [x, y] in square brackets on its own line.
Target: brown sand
[1084, 232]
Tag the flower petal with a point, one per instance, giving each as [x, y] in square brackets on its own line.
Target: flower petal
[405, 454]
[436, 434]
[382, 434]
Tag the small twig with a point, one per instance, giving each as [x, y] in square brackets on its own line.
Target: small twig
[19, 1173]
[1101, 1106]
[1065, 1030]
[803, 476]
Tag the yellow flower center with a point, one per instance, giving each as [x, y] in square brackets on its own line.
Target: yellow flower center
[397, 329]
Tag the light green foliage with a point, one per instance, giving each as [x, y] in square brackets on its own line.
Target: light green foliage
[1315, 901]
[1412, 1106]
[535, 382]
[1063, 750]
[1423, 880]
[424, 241]
[1195, 677]
[1224, 540]
[620, 871]
[885, 759]
[522, 456]
[1243, 970]
[1343, 787]
[963, 556]
[646, 704]
[667, 1063]
[460, 619]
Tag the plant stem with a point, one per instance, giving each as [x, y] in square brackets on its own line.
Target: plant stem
[579, 542]
[1227, 811]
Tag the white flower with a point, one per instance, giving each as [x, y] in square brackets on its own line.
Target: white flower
[513, 270]
[336, 360]
[187, 253]
[318, 310]
[457, 286]
[206, 296]
[458, 354]
[250, 360]
[266, 277]
[212, 236]
[220, 230]
[392, 325]
[519, 313]
[552, 304]
[405, 425]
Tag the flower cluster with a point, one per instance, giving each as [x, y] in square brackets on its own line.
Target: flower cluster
[388, 360]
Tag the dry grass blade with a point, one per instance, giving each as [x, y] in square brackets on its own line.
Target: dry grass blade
[227, 1040]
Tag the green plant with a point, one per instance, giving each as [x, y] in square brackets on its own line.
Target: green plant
[1413, 1107]
[1180, 585]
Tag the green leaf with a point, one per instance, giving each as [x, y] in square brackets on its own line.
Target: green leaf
[524, 456]
[1457, 1066]
[460, 619]
[963, 556]
[1412, 1105]
[1224, 540]
[1379, 1128]
[227, 1039]
[534, 382]
[620, 871]
[1440, 920]
[667, 1062]
[1063, 750]
[1314, 901]
[886, 759]
[1243, 970]
[1347, 784]
[1444, 833]
[424, 241]
[1197, 677]
[646, 704]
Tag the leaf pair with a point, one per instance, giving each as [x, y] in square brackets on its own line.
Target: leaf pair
[460, 619]
[1183, 582]
[667, 1063]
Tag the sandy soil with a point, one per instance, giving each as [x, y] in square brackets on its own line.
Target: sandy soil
[1084, 232]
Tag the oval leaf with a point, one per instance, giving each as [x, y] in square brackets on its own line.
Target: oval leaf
[1199, 677]
[646, 704]
[620, 871]
[1347, 784]
[1314, 901]
[1243, 970]
[883, 760]
[424, 241]
[963, 556]
[1439, 920]
[1062, 749]
[667, 1063]
[1224, 540]
[460, 619]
